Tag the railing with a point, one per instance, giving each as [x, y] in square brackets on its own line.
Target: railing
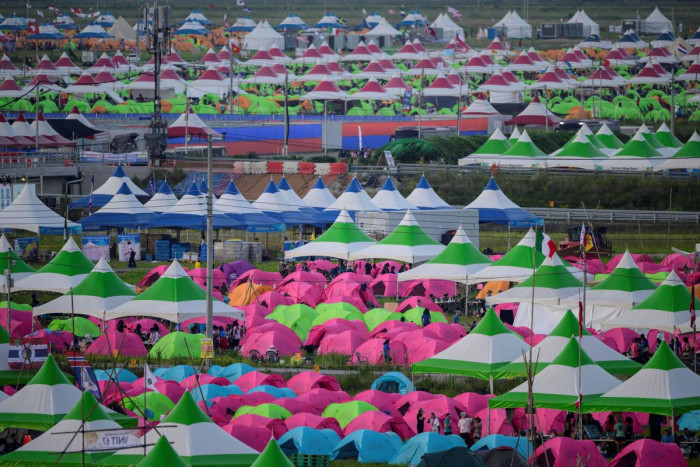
[36, 160]
[615, 215]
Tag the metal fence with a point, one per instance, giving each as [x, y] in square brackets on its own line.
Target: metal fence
[615, 215]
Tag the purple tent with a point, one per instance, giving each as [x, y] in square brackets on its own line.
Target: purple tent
[235, 269]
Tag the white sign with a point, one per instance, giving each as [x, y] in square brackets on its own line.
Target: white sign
[111, 440]
[390, 161]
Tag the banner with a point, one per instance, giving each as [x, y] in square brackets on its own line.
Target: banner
[96, 247]
[406, 102]
[124, 242]
[59, 230]
[27, 247]
[111, 440]
[207, 348]
[8, 192]
[139, 157]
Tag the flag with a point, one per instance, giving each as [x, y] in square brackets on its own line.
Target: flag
[53, 8]
[545, 244]
[235, 49]
[582, 236]
[568, 64]
[429, 30]
[212, 5]
[32, 28]
[333, 31]
[454, 12]
[92, 188]
[580, 319]
[246, 9]
[149, 379]
[364, 12]
[84, 375]
[359, 135]
[303, 39]
[40, 13]
[152, 185]
[577, 404]
[29, 7]
[240, 3]
[226, 19]
[402, 13]
[682, 49]
[692, 306]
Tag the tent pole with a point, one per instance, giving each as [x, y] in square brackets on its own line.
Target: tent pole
[508, 235]
[210, 243]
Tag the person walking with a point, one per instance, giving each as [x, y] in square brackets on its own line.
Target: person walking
[132, 256]
[420, 421]
[465, 428]
[447, 425]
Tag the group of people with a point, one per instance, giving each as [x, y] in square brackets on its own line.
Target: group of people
[224, 338]
[149, 338]
[468, 428]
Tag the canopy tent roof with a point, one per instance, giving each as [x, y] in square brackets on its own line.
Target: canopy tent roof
[664, 386]
[67, 440]
[27, 212]
[667, 309]
[535, 114]
[388, 198]
[579, 150]
[372, 90]
[263, 37]
[293, 21]
[572, 378]
[233, 204]
[341, 239]
[354, 198]
[194, 437]
[319, 196]
[64, 272]
[93, 31]
[496, 145]
[456, 262]
[197, 16]
[494, 206]
[589, 26]
[18, 267]
[514, 266]
[290, 196]
[424, 197]
[524, 148]
[608, 138]
[122, 210]
[407, 243]
[189, 124]
[382, 29]
[174, 297]
[45, 400]
[656, 23]
[104, 193]
[276, 204]
[664, 136]
[551, 283]
[637, 147]
[163, 199]
[552, 345]
[479, 354]
[481, 106]
[100, 291]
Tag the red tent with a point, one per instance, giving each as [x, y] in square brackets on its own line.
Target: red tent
[380, 422]
[306, 380]
[189, 124]
[126, 344]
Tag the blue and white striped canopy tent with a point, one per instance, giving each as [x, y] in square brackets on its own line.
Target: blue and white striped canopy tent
[319, 196]
[13, 23]
[163, 200]
[104, 193]
[198, 17]
[276, 205]
[233, 204]
[424, 197]
[93, 31]
[495, 207]
[122, 210]
[47, 32]
[353, 199]
[388, 198]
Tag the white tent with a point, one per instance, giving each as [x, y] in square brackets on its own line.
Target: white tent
[514, 27]
[388, 198]
[589, 26]
[450, 29]
[319, 196]
[655, 23]
[424, 197]
[354, 198]
[383, 29]
[27, 212]
[263, 36]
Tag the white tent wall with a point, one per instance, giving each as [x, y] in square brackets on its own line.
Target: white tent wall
[263, 37]
[547, 317]
[655, 23]
[434, 222]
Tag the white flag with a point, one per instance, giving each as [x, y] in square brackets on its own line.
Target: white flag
[149, 379]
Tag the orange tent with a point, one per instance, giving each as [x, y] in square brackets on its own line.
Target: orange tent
[495, 287]
[245, 294]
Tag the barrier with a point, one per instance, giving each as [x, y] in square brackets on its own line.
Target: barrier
[238, 167]
[258, 168]
[323, 168]
[307, 168]
[274, 167]
[290, 167]
[339, 168]
[248, 167]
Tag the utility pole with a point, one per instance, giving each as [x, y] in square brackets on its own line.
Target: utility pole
[286, 115]
[210, 241]
[158, 39]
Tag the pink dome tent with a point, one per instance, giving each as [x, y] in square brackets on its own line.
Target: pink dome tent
[306, 380]
[275, 426]
[255, 378]
[380, 422]
[314, 421]
[333, 327]
[124, 344]
[372, 350]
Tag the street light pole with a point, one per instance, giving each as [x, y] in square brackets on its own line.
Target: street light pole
[210, 241]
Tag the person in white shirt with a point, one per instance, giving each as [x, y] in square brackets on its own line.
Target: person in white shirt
[465, 428]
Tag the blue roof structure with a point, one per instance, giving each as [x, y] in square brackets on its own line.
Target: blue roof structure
[495, 207]
[234, 205]
[319, 196]
[309, 441]
[122, 210]
[367, 446]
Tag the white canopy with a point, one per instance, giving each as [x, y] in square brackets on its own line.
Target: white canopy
[263, 36]
[27, 212]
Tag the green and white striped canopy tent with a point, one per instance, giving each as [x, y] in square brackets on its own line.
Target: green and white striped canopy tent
[524, 148]
[514, 136]
[408, 243]
[552, 281]
[64, 272]
[625, 287]
[491, 150]
[19, 268]
[195, 438]
[72, 441]
[667, 139]
[608, 138]
[457, 262]
[687, 157]
[161, 455]
[174, 297]
[579, 152]
[649, 136]
[45, 400]
[666, 309]
[480, 354]
[557, 386]
[664, 386]
[341, 239]
[593, 138]
[514, 266]
[638, 146]
[100, 291]
[552, 345]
